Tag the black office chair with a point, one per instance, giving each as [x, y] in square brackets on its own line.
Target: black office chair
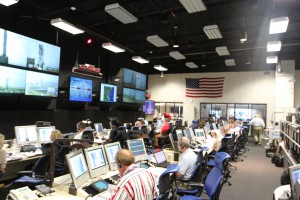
[61, 166]
[39, 175]
[122, 136]
[46, 148]
[144, 129]
[166, 182]
[88, 135]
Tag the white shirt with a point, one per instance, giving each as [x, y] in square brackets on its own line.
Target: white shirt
[257, 122]
[187, 163]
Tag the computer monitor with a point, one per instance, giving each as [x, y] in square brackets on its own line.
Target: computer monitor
[187, 133]
[294, 172]
[78, 168]
[111, 150]
[137, 147]
[44, 134]
[173, 143]
[159, 123]
[192, 134]
[179, 133]
[206, 128]
[199, 133]
[26, 134]
[96, 161]
[214, 126]
[98, 127]
[108, 92]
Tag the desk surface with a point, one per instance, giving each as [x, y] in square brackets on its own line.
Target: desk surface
[61, 186]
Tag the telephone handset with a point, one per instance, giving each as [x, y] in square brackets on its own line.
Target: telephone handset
[23, 193]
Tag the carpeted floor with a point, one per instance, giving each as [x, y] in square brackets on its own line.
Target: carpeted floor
[255, 179]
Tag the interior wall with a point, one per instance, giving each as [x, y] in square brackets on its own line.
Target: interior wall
[239, 87]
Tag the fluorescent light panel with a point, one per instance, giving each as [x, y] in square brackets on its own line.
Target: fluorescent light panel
[272, 59]
[222, 51]
[160, 68]
[140, 59]
[112, 47]
[157, 41]
[120, 13]
[278, 25]
[191, 65]
[273, 46]
[8, 2]
[212, 32]
[66, 26]
[230, 62]
[193, 5]
[176, 55]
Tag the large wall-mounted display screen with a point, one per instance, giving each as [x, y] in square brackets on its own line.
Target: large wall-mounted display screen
[134, 79]
[149, 107]
[108, 92]
[12, 81]
[133, 96]
[41, 84]
[22, 51]
[80, 89]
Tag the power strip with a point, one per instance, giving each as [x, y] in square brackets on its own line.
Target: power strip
[44, 189]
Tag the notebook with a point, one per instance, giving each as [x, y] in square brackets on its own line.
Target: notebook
[161, 159]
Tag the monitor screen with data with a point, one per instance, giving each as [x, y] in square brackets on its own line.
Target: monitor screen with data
[78, 168]
[179, 133]
[111, 150]
[138, 149]
[108, 92]
[294, 172]
[26, 134]
[96, 161]
[98, 127]
[44, 134]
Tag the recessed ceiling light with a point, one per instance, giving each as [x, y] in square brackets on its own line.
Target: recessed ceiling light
[278, 25]
[273, 46]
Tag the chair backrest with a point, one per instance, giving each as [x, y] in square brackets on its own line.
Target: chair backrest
[144, 129]
[60, 158]
[88, 135]
[122, 136]
[135, 128]
[41, 169]
[46, 148]
[165, 181]
[214, 183]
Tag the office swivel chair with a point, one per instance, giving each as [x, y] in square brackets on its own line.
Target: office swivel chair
[122, 136]
[88, 135]
[61, 166]
[40, 173]
[166, 182]
[213, 183]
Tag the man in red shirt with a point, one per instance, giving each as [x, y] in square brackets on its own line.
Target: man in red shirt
[164, 129]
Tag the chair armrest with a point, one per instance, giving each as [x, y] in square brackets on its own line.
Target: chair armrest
[195, 184]
[24, 173]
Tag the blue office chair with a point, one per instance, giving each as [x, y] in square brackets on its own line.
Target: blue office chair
[39, 175]
[213, 183]
[166, 182]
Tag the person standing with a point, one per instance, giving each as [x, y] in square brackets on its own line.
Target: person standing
[258, 125]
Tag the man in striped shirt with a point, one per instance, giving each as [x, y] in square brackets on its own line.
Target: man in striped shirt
[135, 183]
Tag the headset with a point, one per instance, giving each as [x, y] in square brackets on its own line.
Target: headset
[119, 163]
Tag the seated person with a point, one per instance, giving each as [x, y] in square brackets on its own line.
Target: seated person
[55, 134]
[188, 159]
[235, 128]
[113, 132]
[138, 124]
[164, 129]
[194, 124]
[2, 157]
[80, 128]
[128, 126]
[134, 183]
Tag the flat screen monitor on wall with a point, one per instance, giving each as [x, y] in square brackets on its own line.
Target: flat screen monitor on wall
[149, 107]
[80, 89]
[12, 81]
[22, 51]
[78, 168]
[41, 84]
[133, 96]
[26, 134]
[108, 92]
[133, 79]
[96, 161]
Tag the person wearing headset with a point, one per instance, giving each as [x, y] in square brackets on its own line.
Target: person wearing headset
[188, 159]
[135, 183]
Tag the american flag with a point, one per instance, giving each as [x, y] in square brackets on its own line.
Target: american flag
[204, 87]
